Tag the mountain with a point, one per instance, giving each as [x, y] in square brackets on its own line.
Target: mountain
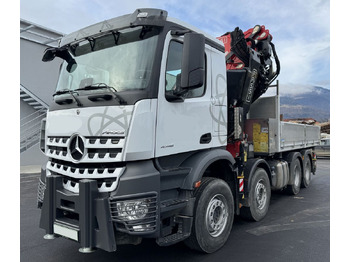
[314, 104]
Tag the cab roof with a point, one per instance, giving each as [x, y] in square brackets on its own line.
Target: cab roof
[141, 17]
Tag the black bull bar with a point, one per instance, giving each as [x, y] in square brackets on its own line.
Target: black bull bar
[84, 217]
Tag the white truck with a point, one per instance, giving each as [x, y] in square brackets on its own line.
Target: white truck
[157, 130]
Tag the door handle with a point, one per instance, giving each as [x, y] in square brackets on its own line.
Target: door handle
[205, 139]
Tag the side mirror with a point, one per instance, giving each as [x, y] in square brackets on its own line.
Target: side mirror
[63, 53]
[192, 73]
[49, 55]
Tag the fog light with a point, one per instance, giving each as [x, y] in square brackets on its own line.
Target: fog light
[142, 228]
[133, 209]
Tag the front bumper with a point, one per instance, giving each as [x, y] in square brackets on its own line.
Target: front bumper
[92, 217]
[83, 217]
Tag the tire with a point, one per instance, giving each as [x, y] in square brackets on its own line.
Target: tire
[259, 197]
[295, 177]
[307, 173]
[213, 216]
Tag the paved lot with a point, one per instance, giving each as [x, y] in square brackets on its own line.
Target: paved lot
[297, 228]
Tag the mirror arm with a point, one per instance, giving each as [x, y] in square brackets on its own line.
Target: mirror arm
[180, 32]
[61, 52]
[91, 42]
[172, 97]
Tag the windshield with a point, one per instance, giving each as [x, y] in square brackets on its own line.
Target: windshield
[122, 60]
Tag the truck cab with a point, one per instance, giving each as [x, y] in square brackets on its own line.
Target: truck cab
[130, 107]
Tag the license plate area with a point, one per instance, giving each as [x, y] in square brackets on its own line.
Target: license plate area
[66, 231]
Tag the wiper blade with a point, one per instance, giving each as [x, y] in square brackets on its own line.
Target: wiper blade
[60, 92]
[71, 92]
[111, 89]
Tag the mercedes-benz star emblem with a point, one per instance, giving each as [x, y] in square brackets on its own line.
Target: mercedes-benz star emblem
[76, 147]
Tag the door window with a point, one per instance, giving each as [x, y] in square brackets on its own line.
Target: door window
[173, 69]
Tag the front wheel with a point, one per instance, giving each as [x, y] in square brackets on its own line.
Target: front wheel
[213, 216]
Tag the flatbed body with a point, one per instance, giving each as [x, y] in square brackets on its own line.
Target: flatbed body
[271, 135]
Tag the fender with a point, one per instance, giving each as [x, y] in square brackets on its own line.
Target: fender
[200, 161]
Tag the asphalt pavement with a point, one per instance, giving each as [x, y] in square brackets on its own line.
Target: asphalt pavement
[296, 228]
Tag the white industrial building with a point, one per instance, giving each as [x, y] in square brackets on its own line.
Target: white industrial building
[37, 84]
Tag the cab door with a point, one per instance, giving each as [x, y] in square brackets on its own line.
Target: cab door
[185, 125]
[218, 98]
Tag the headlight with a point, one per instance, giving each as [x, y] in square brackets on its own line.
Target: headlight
[133, 209]
[135, 215]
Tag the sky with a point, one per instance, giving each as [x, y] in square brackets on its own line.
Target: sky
[300, 29]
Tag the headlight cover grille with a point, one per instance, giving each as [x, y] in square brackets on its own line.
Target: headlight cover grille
[135, 215]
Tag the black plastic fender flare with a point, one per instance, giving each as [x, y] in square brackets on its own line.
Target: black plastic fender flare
[199, 163]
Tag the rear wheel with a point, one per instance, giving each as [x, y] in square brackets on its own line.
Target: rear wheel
[296, 176]
[213, 216]
[307, 172]
[259, 196]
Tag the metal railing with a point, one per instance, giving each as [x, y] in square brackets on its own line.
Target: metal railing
[30, 125]
[29, 97]
[30, 130]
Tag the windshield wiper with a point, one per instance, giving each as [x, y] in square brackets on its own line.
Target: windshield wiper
[111, 89]
[71, 92]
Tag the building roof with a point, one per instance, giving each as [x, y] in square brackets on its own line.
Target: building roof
[39, 34]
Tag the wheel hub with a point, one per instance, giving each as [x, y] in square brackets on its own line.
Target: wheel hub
[216, 215]
[261, 194]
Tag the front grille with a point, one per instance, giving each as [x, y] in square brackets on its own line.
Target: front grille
[146, 224]
[103, 185]
[80, 171]
[101, 161]
[107, 175]
[98, 149]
